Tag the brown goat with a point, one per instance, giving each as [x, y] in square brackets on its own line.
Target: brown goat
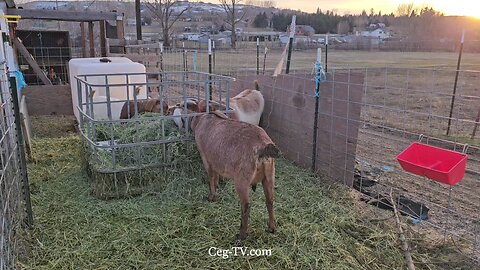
[150, 105]
[239, 151]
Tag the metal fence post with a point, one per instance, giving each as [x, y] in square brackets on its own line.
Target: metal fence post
[161, 62]
[265, 60]
[214, 56]
[326, 53]
[21, 153]
[452, 104]
[194, 60]
[318, 76]
[258, 56]
[210, 67]
[290, 44]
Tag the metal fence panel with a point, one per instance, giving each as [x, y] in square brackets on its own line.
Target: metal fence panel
[15, 209]
[369, 116]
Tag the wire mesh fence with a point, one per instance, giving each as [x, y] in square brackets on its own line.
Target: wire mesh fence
[266, 58]
[54, 60]
[15, 208]
[224, 62]
[369, 116]
[411, 104]
[348, 42]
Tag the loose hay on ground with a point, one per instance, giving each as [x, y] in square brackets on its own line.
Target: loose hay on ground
[52, 126]
[318, 227]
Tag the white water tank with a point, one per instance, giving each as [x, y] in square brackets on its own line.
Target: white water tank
[119, 70]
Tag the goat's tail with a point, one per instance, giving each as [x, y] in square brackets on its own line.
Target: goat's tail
[257, 86]
[270, 151]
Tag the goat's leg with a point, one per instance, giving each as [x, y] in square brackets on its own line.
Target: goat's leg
[268, 184]
[242, 188]
[216, 180]
[212, 180]
[212, 196]
[211, 174]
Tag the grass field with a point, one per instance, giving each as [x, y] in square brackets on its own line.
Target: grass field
[227, 62]
[320, 224]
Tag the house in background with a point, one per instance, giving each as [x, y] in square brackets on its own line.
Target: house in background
[303, 30]
[376, 31]
[262, 35]
[379, 33]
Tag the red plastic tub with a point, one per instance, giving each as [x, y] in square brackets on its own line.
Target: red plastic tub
[438, 164]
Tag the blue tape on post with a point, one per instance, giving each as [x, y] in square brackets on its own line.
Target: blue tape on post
[20, 79]
[319, 77]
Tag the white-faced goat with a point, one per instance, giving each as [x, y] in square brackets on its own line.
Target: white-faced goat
[246, 107]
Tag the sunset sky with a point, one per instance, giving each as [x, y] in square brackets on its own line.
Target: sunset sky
[449, 7]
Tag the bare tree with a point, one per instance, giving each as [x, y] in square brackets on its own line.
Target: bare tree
[233, 16]
[164, 12]
[405, 9]
[261, 3]
[343, 27]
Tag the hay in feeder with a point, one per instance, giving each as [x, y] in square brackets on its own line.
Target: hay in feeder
[125, 168]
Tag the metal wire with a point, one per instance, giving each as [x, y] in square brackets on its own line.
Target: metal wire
[12, 196]
[397, 105]
[175, 88]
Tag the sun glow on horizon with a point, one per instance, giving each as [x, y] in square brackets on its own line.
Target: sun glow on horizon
[469, 8]
[460, 7]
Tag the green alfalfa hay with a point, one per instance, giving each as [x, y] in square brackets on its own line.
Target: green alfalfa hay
[173, 228]
[139, 169]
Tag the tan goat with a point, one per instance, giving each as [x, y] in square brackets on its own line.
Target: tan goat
[239, 151]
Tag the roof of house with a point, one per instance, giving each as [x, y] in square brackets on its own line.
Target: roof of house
[10, 3]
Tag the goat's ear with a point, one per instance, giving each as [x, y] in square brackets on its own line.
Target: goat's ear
[92, 94]
[194, 108]
[212, 107]
[192, 105]
[201, 106]
[170, 110]
[137, 91]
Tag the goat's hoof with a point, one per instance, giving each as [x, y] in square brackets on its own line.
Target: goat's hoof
[271, 227]
[270, 230]
[239, 238]
[212, 197]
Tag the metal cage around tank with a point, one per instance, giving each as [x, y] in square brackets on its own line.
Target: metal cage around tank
[146, 140]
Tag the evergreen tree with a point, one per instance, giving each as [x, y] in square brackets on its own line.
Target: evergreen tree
[261, 20]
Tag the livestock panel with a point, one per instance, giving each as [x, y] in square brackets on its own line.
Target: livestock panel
[289, 115]
[125, 157]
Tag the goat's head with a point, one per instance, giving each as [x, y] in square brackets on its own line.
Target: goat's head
[212, 105]
[154, 105]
